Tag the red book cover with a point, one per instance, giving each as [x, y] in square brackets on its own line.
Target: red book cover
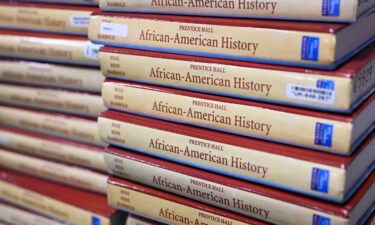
[335, 133]
[58, 201]
[340, 90]
[296, 43]
[48, 47]
[80, 129]
[130, 196]
[241, 157]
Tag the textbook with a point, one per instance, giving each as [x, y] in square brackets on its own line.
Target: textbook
[14, 215]
[81, 129]
[52, 148]
[285, 208]
[335, 133]
[167, 208]
[73, 20]
[68, 2]
[58, 48]
[69, 205]
[341, 90]
[54, 171]
[344, 10]
[59, 100]
[254, 160]
[51, 75]
[292, 43]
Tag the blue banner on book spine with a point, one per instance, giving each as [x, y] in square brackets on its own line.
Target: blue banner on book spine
[321, 220]
[320, 180]
[310, 48]
[323, 134]
[331, 8]
[95, 220]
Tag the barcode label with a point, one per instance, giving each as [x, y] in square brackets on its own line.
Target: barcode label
[311, 94]
[79, 21]
[115, 29]
[92, 50]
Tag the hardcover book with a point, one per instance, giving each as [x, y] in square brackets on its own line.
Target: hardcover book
[335, 133]
[58, 100]
[341, 90]
[52, 148]
[54, 171]
[51, 75]
[240, 157]
[73, 20]
[344, 10]
[64, 203]
[14, 215]
[171, 208]
[45, 47]
[69, 2]
[81, 129]
[292, 43]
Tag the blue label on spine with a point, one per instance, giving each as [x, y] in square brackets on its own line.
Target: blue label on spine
[331, 8]
[326, 84]
[310, 48]
[95, 221]
[321, 220]
[323, 134]
[320, 180]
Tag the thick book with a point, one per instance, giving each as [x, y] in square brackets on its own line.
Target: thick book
[51, 75]
[80, 129]
[335, 133]
[68, 2]
[47, 147]
[58, 100]
[14, 215]
[285, 208]
[242, 157]
[54, 171]
[70, 205]
[46, 47]
[341, 11]
[305, 44]
[167, 208]
[341, 90]
[73, 20]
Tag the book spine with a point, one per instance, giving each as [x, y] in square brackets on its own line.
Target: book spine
[75, 176]
[46, 19]
[49, 49]
[70, 2]
[48, 206]
[316, 10]
[245, 82]
[244, 163]
[57, 125]
[52, 75]
[53, 150]
[58, 100]
[161, 209]
[312, 132]
[364, 5]
[363, 82]
[244, 43]
[131, 220]
[12, 215]
[227, 197]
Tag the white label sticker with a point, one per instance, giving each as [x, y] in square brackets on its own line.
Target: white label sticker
[4, 139]
[79, 21]
[115, 29]
[311, 94]
[92, 50]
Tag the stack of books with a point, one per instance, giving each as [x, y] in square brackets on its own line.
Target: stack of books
[51, 157]
[249, 120]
